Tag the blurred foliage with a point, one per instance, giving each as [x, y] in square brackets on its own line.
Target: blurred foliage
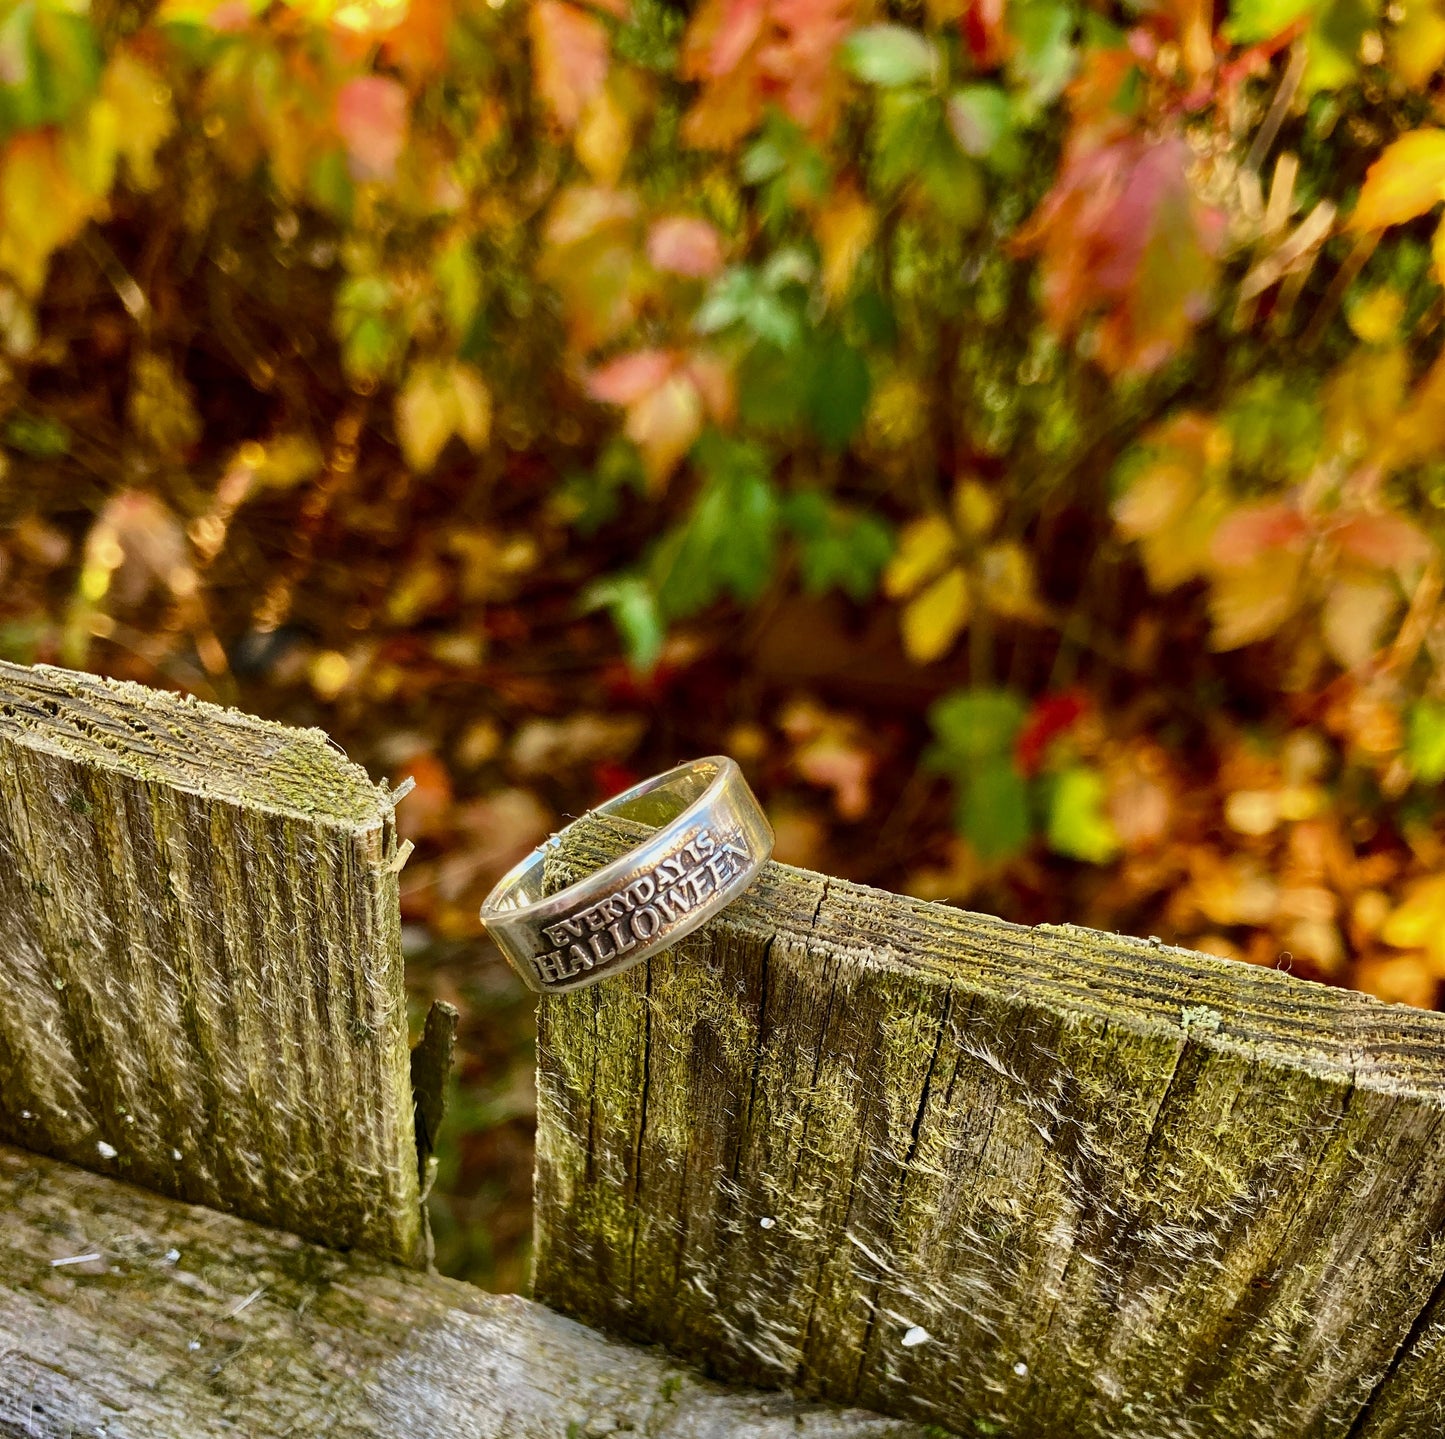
[376, 350]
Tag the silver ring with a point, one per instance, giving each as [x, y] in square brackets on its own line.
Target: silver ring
[711, 838]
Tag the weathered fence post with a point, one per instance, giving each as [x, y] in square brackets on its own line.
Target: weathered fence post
[1039, 1183]
[201, 980]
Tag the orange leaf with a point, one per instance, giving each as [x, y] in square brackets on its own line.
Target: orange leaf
[371, 120]
[1406, 181]
[685, 245]
[569, 58]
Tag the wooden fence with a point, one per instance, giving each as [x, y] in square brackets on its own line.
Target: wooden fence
[949, 1173]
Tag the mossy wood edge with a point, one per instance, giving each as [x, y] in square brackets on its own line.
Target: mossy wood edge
[1041, 1183]
[201, 983]
[133, 1316]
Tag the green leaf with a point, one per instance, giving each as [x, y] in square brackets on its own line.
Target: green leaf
[976, 724]
[890, 56]
[905, 130]
[728, 542]
[1425, 743]
[993, 810]
[1253, 20]
[772, 390]
[1044, 56]
[50, 64]
[838, 392]
[837, 547]
[630, 600]
[978, 115]
[954, 183]
[36, 435]
[1079, 825]
[371, 342]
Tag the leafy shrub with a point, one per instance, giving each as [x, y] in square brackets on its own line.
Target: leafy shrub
[951, 304]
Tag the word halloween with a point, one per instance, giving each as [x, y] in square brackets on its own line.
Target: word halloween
[612, 926]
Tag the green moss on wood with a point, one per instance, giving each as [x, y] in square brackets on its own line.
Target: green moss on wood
[201, 960]
[1034, 1183]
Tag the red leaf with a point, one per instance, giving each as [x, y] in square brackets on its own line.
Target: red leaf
[371, 120]
[1383, 540]
[1124, 243]
[983, 32]
[1050, 717]
[1253, 530]
[685, 245]
[569, 58]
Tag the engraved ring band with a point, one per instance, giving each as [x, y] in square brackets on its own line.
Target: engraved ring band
[710, 839]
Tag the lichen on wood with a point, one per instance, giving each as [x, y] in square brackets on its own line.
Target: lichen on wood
[131, 1316]
[1039, 1183]
[200, 958]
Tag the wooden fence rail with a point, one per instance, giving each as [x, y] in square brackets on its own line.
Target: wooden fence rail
[129, 1316]
[1037, 1184]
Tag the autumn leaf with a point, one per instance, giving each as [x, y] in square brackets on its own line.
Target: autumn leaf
[925, 546]
[143, 112]
[1405, 182]
[667, 394]
[1250, 602]
[371, 118]
[1384, 540]
[845, 226]
[1124, 244]
[1419, 921]
[41, 207]
[935, 617]
[436, 402]
[685, 245]
[569, 58]
[604, 136]
[1356, 611]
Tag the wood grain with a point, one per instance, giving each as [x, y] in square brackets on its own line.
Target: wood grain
[130, 1316]
[200, 959]
[1039, 1183]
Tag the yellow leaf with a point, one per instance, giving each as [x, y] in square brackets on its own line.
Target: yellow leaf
[426, 415]
[663, 424]
[1006, 581]
[1419, 922]
[925, 546]
[1406, 181]
[1417, 43]
[846, 225]
[1363, 400]
[142, 103]
[41, 207]
[89, 146]
[1375, 316]
[1251, 601]
[975, 507]
[473, 407]
[933, 619]
[604, 137]
[1356, 611]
